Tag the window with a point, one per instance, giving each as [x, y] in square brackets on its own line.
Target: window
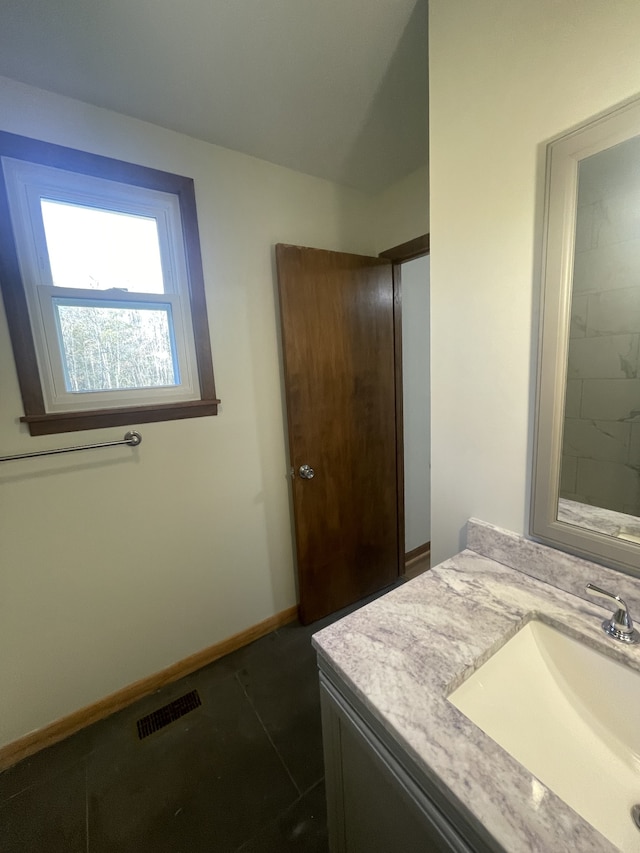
[102, 279]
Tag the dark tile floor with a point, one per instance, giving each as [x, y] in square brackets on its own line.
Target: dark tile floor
[243, 772]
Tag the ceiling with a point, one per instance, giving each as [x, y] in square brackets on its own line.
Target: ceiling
[332, 88]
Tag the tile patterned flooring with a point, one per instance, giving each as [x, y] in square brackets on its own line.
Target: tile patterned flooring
[243, 773]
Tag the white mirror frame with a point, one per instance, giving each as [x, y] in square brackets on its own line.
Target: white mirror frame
[563, 157]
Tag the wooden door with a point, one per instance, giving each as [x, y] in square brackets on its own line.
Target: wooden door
[338, 346]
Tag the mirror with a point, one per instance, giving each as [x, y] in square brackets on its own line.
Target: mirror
[586, 484]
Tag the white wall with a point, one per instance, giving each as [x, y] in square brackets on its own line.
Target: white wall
[401, 212]
[416, 402]
[505, 76]
[115, 564]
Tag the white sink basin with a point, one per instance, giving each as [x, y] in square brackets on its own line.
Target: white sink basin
[571, 716]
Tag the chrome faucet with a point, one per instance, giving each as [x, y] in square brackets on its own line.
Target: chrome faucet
[620, 626]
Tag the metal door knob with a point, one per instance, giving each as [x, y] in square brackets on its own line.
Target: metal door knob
[306, 472]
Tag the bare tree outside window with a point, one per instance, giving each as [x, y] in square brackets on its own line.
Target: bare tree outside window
[116, 348]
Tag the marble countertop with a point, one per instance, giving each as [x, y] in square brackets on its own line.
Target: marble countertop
[404, 653]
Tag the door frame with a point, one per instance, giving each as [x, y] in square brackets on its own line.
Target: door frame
[398, 255]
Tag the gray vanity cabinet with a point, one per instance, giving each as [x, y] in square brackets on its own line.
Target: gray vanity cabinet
[374, 805]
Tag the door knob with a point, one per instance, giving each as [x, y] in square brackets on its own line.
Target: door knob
[306, 472]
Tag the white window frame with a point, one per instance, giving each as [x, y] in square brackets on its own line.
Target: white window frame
[27, 183]
[173, 199]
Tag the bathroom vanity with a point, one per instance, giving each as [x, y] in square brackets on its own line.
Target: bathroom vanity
[406, 770]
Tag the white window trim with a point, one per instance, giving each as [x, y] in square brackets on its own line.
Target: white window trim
[27, 182]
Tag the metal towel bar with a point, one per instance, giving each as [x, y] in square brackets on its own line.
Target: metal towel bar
[132, 439]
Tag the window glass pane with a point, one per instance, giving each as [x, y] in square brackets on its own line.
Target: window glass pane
[99, 249]
[116, 347]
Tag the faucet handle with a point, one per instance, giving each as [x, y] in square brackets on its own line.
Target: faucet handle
[620, 626]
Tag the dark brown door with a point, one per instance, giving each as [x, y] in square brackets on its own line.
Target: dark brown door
[338, 344]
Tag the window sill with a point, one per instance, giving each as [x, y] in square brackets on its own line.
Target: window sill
[57, 422]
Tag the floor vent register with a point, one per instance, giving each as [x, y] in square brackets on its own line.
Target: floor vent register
[168, 714]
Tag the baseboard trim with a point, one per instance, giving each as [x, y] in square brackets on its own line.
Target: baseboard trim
[72, 723]
[417, 553]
